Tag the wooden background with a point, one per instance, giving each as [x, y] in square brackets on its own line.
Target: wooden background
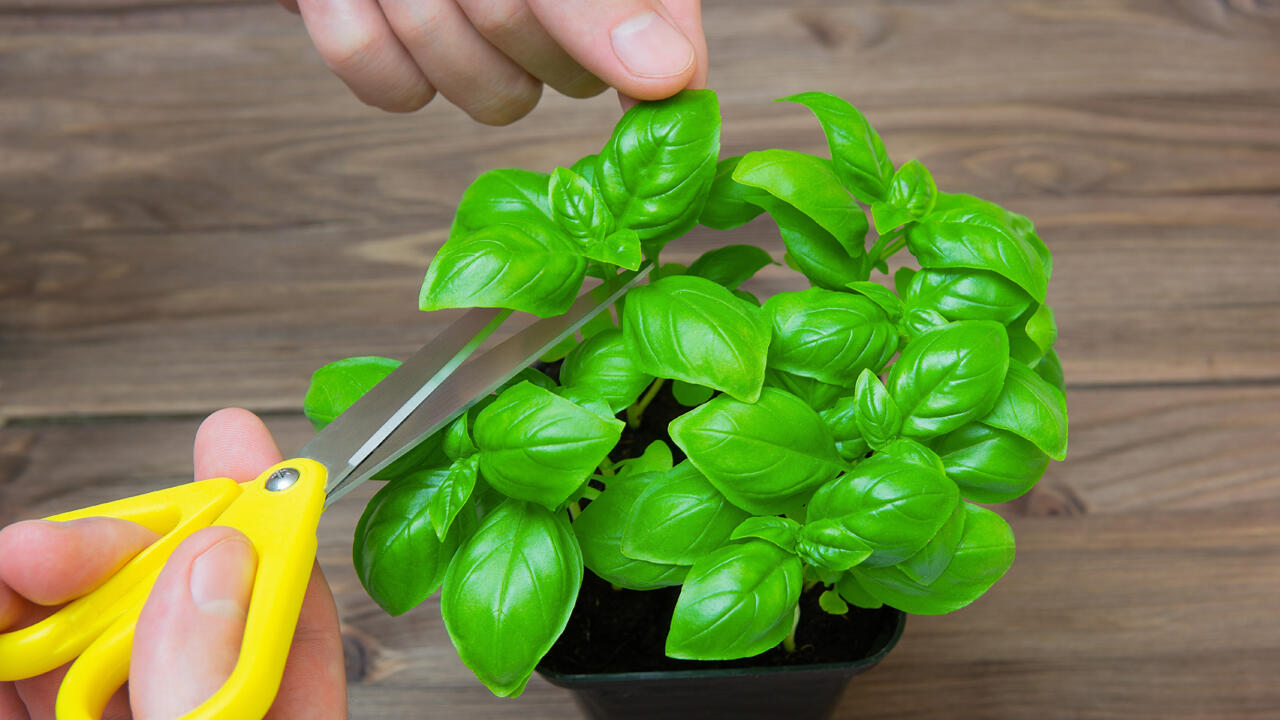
[195, 214]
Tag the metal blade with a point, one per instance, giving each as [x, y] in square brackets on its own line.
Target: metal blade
[467, 385]
[349, 439]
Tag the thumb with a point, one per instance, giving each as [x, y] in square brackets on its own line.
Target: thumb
[188, 637]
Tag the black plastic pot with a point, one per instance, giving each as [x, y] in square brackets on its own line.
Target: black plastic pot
[800, 692]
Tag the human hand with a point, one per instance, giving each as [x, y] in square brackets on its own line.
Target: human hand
[188, 636]
[492, 57]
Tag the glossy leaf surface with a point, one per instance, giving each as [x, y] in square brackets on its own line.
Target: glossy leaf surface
[879, 420]
[1032, 408]
[809, 185]
[730, 204]
[599, 530]
[963, 294]
[678, 518]
[730, 265]
[604, 363]
[829, 336]
[857, 153]
[990, 465]
[949, 376]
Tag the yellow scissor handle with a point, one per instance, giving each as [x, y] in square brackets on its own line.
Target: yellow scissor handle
[279, 512]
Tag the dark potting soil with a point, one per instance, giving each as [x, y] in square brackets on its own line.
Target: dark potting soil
[626, 630]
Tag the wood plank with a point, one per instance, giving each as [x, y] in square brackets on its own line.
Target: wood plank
[1137, 589]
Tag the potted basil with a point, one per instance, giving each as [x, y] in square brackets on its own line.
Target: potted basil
[741, 483]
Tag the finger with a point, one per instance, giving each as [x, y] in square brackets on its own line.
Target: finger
[290, 5]
[37, 697]
[51, 562]
[315, 681]
[233, 443]
[356, 43]
[188, 636]
[11, 705]
[460, 63]
[633, 45]
[688, 17]
[512, 28]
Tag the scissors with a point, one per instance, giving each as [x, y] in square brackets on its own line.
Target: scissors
[279, 512]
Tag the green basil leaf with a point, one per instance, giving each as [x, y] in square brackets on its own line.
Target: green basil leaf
[916, 321]
[338, 385]
[783, 532]
[765, 457]
[559, 350]
[812, 250]
[949, 375]
[1041, 329]
[829, 544]
[961, 294]
[678, 518]
[586, 167]
[539, 447]
[902, 279]
[857, 152]
[530, 268]
[990, 465]
[619, 248]
[878, 417]
[578, 208]
[604, 363]
[910, 451]
[507, 196]
[690, 395]
[689, 328]
[730, 204]
[731, 265]
[983, 556]
[912, 194]
[453, 493]
[1032, 408]
[964, 234]
[588, 398]
[599, 530]
[808, 184]
[396, 553]
[880, 295]
[509, 591]
[531, 375]
[738, 601]
[842, 420]
[655, 458]
[832, 604]
[457, 439]
[815, 393]
[829, 336]
[1050, 368]
[892, 505]
[656, 169]
[852, 592]
[928, 565]
[748, 297]
[667, 270]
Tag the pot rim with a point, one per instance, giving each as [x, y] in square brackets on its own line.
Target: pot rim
[890, 640]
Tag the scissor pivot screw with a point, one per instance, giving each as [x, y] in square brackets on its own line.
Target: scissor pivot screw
[282, 479]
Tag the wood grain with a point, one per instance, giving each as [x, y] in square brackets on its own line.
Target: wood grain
[194, 214]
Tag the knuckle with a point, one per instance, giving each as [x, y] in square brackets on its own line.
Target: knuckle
[507, 105]
[352, 50]
[497, 18]
[410, 100]
[417, 23]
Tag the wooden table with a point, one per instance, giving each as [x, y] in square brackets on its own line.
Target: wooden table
[195, 214]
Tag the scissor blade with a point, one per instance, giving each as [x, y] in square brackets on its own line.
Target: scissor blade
[473, 381]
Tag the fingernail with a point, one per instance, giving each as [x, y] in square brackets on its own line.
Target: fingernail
[222, 577]
[650, 47]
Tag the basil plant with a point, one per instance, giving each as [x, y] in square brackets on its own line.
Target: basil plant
[847, 434]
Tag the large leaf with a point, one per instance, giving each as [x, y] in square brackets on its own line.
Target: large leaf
[656, 169]
[808, 184]
[1029, 406]
[961, 233]
[509, 592]
[730, 204]
[829, 336]
[679, 518]
[892, 505]
[815, 393]
[949, 375]
[537, 446]
[983, 555]
[605, 364]
[397, 554]
[736, 602]
[692, 329]
[531, 268]
[963, 294]
[857, 152]
[990, 465]
[730, 265]
[599, 530]
[812, 250]
[927, 565]
[765, 457]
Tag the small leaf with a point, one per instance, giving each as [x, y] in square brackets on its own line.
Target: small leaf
[737, 602]
[689, 394]
[689, 328]
[812, 250]
[655, 458]
[457, 439]
[730, 204]
[765, 457]
[509, 592]
[815, 393]
[1050, 368]
[831, 545]
[619, 248]
[783, 532]
[731, 265]
[453, 493]
[336, 386]
[842, 420]
[916, 321]
[678, 518]
[809, 185]
[857, 153]
[577, 208]
[599, 530]
[878, 417]
[852, 592]
[912, 194]
[830, 602]
[604, 364]
[949, 375]
[880, 295]
[902, 279]
[1030, 407]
